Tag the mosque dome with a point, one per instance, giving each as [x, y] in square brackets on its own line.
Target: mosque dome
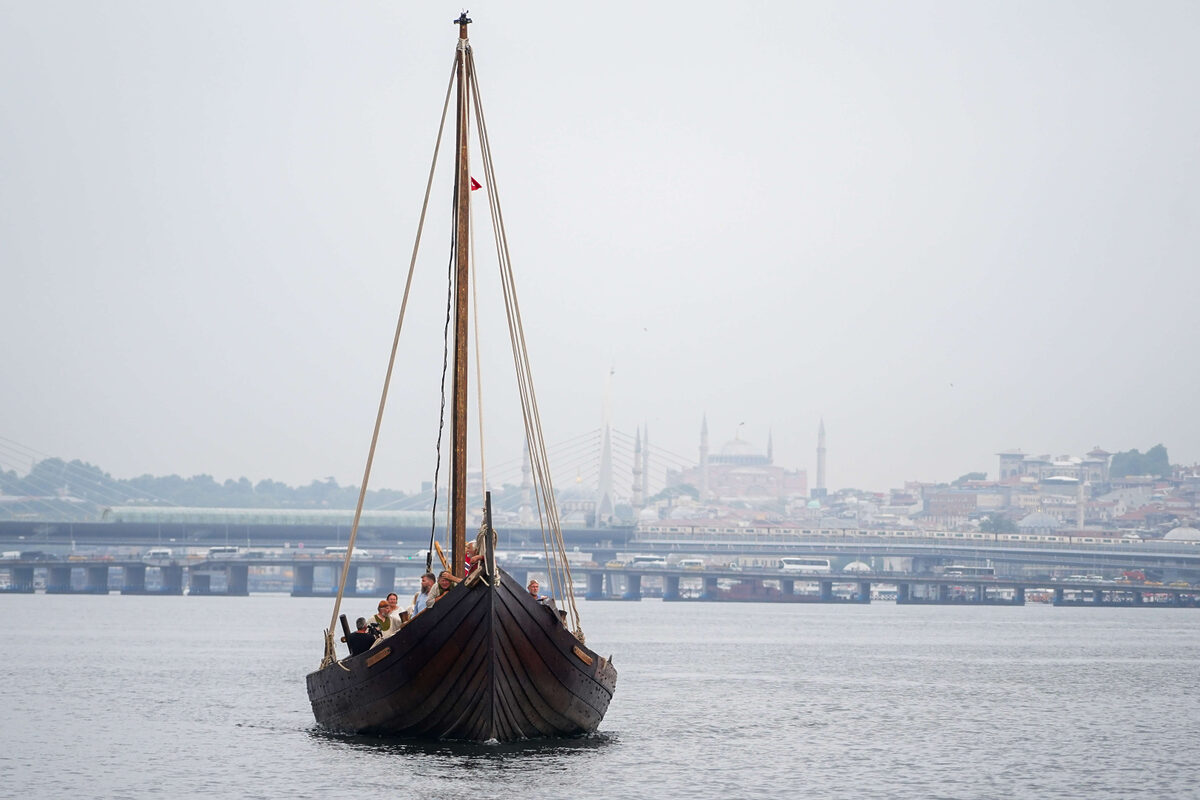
[1183, 534]
[857, 566]
[1039, 521]
[738, 447]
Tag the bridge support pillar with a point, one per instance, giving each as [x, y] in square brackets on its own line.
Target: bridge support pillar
[351, 580]
[1138, 598]
[826, 591]
[58, 580]
[134, 580]
[670, 587]
[1058, 595]
[302, 580]
[1097, 596]
[980, 593]
[943, 593]
[711, 591]
[864, 591]
[903, 593]
[21, 580]
[521, 576]
[787, 586]
[172, 579]
[200, 583]
[1019, 596]
[237, 582]
[923, 564]
[633, 587]
[97, 580]
[385, 580]
[595, 586]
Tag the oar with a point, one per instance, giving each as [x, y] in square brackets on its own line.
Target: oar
[442, 556]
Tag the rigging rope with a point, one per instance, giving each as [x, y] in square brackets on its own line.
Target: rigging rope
[478, 357]
[558, 568]
[329, 656]
[437, 466]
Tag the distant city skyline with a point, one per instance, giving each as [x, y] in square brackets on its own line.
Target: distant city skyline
[20, 457]
[944, 229]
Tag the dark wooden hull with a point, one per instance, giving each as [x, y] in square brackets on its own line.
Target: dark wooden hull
[485, 662]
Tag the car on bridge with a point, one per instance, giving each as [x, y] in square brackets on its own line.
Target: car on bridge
[340, 552]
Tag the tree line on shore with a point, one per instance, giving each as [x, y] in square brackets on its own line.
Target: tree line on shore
[54, 477]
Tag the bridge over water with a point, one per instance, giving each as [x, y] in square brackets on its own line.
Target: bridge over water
[925, 553]
[603, 582]
[606, 543]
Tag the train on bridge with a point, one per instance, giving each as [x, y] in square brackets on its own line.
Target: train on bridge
[705, 532]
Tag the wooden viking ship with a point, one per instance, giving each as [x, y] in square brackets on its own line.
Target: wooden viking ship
[487, 661]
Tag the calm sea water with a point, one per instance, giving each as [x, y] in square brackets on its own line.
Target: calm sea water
[148, 697]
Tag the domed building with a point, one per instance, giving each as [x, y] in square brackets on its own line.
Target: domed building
[737, 451]
[1184, 533]
[576, 505]
[1039, 522]
[740, 472]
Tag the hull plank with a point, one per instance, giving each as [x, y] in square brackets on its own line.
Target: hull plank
[485, 662]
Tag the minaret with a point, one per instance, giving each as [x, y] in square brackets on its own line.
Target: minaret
[1080, 505]
[526, 490]
[770, 446]
[604, 501]
[646, 464]
[637, 472]
[820, 489]
[704, 458]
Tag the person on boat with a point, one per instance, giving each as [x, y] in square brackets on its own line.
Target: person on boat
[421, 599]
[472, 558]
[383, 620]
[398, 617]
[360, 641]
[445, 583]
[534, 588]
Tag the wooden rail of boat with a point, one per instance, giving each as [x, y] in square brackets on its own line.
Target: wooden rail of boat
[485, 662]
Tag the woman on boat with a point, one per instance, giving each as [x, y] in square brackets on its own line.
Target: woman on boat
[383, 619]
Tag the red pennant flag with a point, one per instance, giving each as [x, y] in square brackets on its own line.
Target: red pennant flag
[475, 185]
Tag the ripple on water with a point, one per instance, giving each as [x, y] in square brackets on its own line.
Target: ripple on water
[206, 695]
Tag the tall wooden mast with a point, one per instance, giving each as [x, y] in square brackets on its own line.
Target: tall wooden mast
[462, 213]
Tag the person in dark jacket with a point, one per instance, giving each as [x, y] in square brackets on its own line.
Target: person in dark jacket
[360, 641]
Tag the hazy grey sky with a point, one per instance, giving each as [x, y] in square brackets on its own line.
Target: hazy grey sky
[947, 228]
